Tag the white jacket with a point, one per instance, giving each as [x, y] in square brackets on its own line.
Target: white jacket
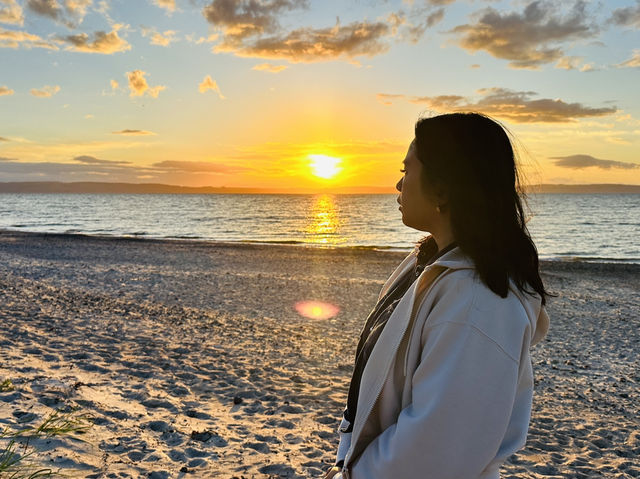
[447, 390]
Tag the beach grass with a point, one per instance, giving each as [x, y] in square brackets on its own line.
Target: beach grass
[16, 457]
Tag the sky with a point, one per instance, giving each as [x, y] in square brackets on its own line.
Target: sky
[276, 93]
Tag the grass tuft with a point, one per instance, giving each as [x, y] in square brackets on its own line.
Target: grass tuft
[15, 458]
[6, 386]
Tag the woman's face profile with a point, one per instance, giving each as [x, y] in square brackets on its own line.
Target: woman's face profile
[418, 209]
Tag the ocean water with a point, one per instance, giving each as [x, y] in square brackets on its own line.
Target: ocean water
[593, 227]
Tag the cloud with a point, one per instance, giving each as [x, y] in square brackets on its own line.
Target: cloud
[577, 162]
[387, 98]
[11, 12]
[4, 158]
[268, 67]
[627, 16]
[169, 5]
[133, 132]
[92, 160]
[529, 39]
[4, 139]
[47, 8]
[16, 39]
[515, 106]
[102, 42]
[412, 26]
[209, 84]
[5, 90]
[139, 86]
[240, 19]
[252, 29]
[198, 167]
[114, 84]
[46, 91]
[309, 44]
[633, 62]
[157, 38]
[77, 8]
[71, 15]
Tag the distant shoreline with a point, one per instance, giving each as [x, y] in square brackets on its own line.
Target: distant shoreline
[158, 188]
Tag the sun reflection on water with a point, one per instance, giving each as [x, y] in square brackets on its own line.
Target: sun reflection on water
[324, 222]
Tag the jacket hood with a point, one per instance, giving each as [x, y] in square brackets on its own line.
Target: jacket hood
[532, 303]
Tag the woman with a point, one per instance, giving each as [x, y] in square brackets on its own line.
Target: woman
[442, 384]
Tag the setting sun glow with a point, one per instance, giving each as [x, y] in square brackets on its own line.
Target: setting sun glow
[325, 166]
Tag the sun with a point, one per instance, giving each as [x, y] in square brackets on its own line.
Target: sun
[325, 166]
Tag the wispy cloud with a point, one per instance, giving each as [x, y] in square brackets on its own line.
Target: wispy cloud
[101, 42]
[578, 162]
[17, 39]
[5, 90]
[198, 167]
[4, 139]
[515, 106]
[138, 85]
[69, 12]
[191, 38]
[627, 16]
[45, 92]
[315, 44]
[252, 29]
[209, 84]
[633, 62]
[268, 67]
[168, 5]
[92, 160]
[11, 12]
[528, 39]
[162, 39]
[133, 132]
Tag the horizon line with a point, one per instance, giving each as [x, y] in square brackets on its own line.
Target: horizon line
[162, 188]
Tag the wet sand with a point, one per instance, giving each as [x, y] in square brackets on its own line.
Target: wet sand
[193, 362]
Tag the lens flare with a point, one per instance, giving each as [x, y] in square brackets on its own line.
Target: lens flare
[316, 309]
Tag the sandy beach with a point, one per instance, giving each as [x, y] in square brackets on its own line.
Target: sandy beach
[192, 361]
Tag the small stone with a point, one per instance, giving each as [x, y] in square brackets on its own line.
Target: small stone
[237, 400]
[203, 436]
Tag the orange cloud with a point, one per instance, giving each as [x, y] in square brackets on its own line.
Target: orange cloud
[104, 43]
[209, 84]
[16, 39]
[46, 91]
[169, 5]
[157, 38]
[11, 12]
[4, 90]
[251, 29]
[139, 86]
[311, 44]
[267, 67]
[515, 106]
[633, 62]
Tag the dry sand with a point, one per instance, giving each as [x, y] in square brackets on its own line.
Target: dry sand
[193, 362]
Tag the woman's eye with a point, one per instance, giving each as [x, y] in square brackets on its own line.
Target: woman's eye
[403, 171]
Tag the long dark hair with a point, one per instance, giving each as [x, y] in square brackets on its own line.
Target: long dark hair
[470, 157]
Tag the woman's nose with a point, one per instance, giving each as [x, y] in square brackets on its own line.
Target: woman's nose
[399, 185]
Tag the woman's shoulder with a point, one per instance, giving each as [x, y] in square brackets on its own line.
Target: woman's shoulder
[461, 297]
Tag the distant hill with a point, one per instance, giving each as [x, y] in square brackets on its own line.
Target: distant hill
[156, 188]
[596, 188]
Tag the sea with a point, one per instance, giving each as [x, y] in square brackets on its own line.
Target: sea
[569, 227]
